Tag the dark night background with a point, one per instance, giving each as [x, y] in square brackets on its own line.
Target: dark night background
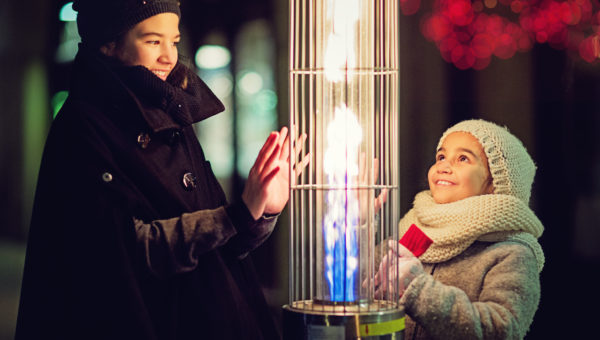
[547, 98]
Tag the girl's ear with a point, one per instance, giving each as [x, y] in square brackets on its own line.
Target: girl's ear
[490, 185]
[109, 49]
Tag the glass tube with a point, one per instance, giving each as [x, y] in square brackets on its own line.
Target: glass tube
[344, 87]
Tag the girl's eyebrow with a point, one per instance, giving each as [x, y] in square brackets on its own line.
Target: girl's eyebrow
[469, 151]
[143, 35]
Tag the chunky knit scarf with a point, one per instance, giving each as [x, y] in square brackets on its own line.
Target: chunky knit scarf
[453, 227]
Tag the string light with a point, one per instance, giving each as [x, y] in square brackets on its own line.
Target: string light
[470, 33]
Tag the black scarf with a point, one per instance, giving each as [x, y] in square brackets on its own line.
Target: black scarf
[183, 96]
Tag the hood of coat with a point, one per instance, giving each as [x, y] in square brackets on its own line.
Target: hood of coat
[181, 100]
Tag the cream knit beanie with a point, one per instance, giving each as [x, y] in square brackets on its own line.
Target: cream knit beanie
[511, 167]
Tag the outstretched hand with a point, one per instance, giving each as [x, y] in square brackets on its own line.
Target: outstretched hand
[267, 187]
[398, 266]
[366, 178]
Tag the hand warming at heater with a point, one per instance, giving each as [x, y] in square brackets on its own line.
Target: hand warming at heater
[412, 244]
[402, 266]
[365, 179]
[267, 188]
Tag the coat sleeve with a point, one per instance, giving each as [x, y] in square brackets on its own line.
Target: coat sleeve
[504, 308]
[173, 245]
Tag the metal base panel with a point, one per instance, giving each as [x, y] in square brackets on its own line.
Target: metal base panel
[308, 320]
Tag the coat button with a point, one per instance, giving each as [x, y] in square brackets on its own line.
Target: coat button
[189, 181]
[143, 140]
[107, 177]
[174, 137]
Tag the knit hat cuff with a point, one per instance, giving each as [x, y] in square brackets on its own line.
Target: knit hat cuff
[151, 10]
[100, 22]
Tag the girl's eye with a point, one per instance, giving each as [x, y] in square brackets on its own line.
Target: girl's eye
[440, 158]
[153, 42]
[463, 158]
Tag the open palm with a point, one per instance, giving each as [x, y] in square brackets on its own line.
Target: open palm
[267, 188]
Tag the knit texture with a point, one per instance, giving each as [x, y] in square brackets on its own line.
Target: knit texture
[510, 165]
[103, 21]
[453, 227]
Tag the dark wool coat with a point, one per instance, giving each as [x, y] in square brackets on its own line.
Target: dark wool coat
[131, 235]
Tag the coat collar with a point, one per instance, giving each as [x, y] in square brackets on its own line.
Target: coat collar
[162, 104]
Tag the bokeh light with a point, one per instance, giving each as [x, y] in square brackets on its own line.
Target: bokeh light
[67, 13]
[210, 57]
[250, 82]
[57, 101]
[469, 34]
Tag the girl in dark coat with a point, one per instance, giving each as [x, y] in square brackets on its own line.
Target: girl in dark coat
[131, 235]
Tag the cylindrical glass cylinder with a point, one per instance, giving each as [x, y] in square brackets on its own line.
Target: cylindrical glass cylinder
[344, 96]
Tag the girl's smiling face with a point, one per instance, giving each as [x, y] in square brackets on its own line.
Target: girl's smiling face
[151, 43]
[460, 170]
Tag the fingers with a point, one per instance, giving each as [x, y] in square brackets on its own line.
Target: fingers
[270, 176]
[392, 244]
[404, 252]
[298, 147]
[265, 152]
[362, 171]
[284, 141]
[270, 163]
[283, 135]
[300, 167]
[381, 199]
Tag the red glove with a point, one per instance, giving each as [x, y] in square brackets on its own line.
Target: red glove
[415, 240]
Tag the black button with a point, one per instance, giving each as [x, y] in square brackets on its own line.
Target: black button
[143, 140]
[189, 181]
[174, 137]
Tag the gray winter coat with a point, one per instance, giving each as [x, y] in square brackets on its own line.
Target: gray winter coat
[490, 291]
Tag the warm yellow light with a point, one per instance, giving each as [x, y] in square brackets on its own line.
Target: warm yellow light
[340, 47]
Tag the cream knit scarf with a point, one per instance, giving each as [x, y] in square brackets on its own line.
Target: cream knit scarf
[453, 227]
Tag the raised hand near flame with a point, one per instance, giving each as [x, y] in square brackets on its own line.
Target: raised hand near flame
[367, 179]
[396, 271]
[267, 188]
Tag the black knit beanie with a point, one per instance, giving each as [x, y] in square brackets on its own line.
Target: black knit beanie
[103, 21]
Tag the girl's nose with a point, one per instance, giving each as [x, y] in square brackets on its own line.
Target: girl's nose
[168, 55]
[444, 167]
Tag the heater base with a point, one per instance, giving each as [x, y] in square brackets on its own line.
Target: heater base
[308, 320]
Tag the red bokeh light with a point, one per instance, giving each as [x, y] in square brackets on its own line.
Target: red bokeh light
[468, 36]
[482, 45]
[409, 7]
[589, 48]
[462, 56]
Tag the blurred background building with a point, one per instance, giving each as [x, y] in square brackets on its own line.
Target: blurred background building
[531, 65]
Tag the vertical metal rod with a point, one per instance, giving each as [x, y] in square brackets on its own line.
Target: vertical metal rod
[291, 105]
[311, 59]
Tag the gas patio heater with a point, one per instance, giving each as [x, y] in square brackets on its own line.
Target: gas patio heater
[344, 87]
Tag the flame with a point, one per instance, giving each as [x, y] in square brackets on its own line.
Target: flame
[340, 224]
[339, 53]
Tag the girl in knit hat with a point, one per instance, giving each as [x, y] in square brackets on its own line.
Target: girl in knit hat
[131, 235]
[479, 278]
